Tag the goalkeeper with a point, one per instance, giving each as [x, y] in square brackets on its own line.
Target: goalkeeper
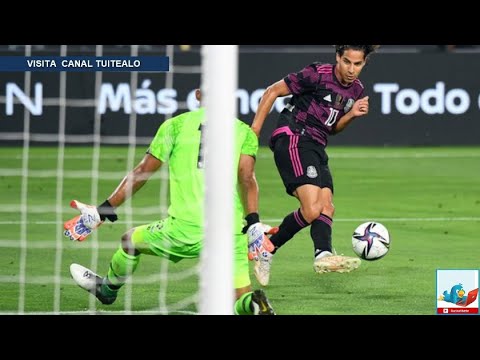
[180, 235]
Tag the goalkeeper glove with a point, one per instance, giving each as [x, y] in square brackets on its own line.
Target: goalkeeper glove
[257, 232]
[91, 217]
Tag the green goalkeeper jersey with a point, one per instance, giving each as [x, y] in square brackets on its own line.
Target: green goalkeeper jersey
[178, 141]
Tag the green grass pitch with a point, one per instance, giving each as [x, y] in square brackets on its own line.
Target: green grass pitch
[428, 198]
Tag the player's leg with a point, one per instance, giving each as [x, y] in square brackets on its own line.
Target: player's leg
[247, 302]
[123, 263]
[321, 226]
[241, 278]
[325, 258]
[289, 159]
[291, 225]
[168, 238]
[314, 202]
[151, 239]
[299, 163]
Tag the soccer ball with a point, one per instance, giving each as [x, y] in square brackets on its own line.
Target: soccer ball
[371, 241]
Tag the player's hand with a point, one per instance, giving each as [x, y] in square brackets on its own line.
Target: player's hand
[360, 107]
[258, 241]
[81, 226]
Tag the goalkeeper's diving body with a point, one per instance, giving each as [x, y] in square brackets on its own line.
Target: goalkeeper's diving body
[180, 235]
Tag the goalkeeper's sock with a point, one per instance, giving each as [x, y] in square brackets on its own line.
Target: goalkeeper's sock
[243, 305]
[321, 233]
[109, 291]
[121, 266]
[292, 224]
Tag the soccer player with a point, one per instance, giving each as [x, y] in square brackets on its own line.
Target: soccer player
[326, 98]
[180, 235]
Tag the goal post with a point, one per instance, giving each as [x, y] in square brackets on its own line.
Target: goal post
[219, 83]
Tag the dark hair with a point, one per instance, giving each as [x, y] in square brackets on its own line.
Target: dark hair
[367, 49]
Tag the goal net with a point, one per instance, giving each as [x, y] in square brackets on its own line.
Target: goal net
[75, 135]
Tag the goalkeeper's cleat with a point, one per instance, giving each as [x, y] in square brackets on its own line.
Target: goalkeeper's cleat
[262, 267]
[327, 262]
[260, 304]
[93, 283]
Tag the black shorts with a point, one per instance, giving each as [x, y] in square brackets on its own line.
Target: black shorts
[301, 161]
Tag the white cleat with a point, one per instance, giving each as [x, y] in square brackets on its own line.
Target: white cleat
[327, 262]
[88, 280]
[85, 278]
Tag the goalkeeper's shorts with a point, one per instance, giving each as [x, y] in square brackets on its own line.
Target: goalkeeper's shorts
[171, 238]
[175, 240]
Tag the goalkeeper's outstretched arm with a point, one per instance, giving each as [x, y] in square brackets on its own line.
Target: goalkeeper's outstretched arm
[81, 226]
[134, 180]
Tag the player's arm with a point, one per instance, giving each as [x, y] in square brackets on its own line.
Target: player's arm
[271, 94]
[255, 230]
[91, 217]
[81, 226]
[248, 184]
[134, 180]
[359, 108]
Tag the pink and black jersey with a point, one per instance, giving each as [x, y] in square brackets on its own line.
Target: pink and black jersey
[318, 102]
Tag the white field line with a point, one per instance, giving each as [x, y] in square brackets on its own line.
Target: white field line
[149, 279]
[392, 155]
[356, 155]
[71, 174]
[276, 221]
[103, 312]
[51, 209]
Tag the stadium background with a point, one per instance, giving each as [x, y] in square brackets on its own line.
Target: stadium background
[417, 173]
[419, 69]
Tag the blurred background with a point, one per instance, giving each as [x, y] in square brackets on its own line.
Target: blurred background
[419, 94]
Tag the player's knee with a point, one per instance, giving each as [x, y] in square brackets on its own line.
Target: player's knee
[329, 209]
[127, 244]
[311, 212]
